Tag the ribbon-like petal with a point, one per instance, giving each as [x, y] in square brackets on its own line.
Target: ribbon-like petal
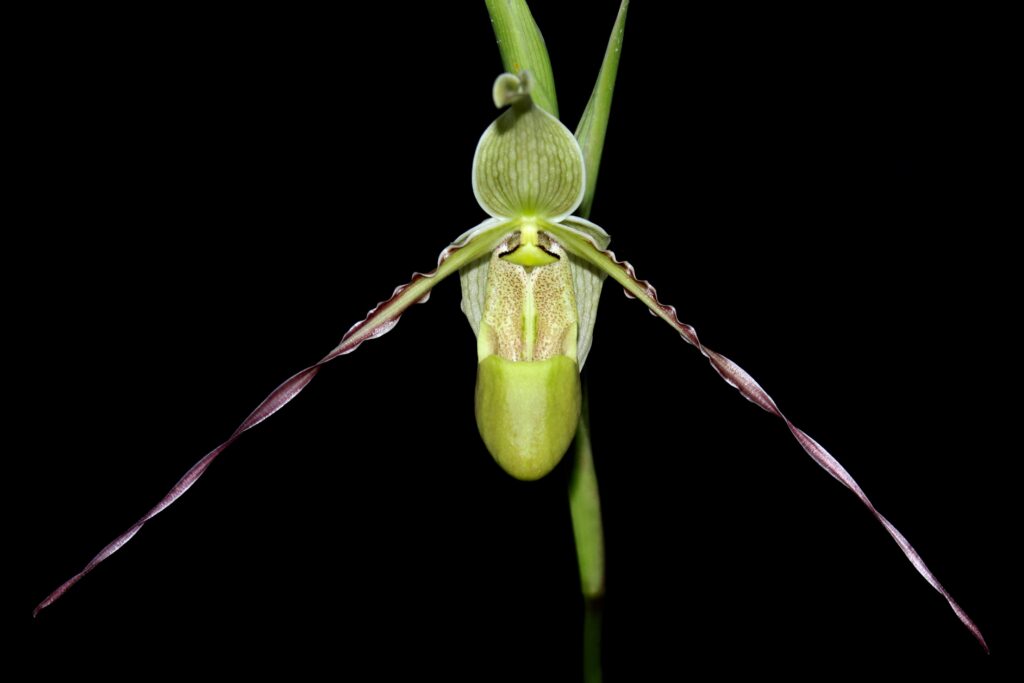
[468, 247]
[583, 245]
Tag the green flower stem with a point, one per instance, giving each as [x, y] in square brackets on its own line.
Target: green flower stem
[585, 506]
[593, 617]
[584, 497]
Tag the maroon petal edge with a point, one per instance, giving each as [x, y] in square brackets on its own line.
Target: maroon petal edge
[377, 322]
[748, 387]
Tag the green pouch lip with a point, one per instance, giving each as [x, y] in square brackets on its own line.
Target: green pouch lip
[527, 412]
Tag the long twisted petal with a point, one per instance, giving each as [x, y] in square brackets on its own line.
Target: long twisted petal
[583, 245]
[379, 321]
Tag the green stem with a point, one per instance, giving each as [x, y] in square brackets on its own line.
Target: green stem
[584, 498]
[585, 507]
[592, 619]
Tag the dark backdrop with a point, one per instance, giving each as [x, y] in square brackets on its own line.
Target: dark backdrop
[217, 198]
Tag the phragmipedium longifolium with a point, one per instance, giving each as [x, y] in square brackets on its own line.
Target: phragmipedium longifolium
[570, 240]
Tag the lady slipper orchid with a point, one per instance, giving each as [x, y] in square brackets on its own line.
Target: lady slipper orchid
[531, 276]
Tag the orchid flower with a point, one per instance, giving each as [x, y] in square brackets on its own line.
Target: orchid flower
[531, 276]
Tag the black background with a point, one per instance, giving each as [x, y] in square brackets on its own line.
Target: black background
[216, 198]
